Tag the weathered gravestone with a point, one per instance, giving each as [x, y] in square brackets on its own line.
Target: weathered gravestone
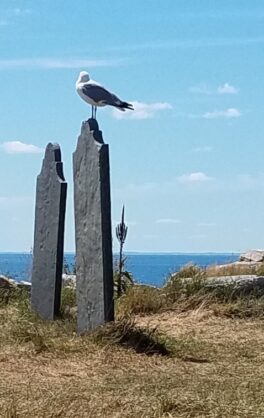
[49, 235]
[92, 206]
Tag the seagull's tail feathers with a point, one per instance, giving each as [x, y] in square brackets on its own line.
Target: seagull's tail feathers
[124, 106]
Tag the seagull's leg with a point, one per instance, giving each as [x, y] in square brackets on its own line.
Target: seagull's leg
[92, 111]
[95, 110]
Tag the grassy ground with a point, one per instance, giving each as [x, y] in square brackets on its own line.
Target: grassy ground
[210, 362]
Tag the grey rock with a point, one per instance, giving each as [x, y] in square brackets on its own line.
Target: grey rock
[92, 207]
[24, 285]
[6, 283]
[239, 264]
[245, 283]
[49, 235]
[253, 255]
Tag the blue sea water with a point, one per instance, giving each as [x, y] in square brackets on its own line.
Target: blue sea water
[146, 268]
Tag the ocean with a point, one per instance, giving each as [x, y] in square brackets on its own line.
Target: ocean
[146, 268]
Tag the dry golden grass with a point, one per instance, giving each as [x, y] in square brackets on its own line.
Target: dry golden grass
[232, 270]
[216, 369]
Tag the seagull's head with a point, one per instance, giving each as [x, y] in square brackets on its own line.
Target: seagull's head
[83, 77]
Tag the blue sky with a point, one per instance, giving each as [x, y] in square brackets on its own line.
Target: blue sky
[188, 162]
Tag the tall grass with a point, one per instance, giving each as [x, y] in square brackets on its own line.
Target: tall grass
[189, 289]
[185, 290]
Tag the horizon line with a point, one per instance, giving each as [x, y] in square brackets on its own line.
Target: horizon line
[143, 252]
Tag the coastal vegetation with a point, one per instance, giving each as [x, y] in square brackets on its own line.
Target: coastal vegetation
[187, 349]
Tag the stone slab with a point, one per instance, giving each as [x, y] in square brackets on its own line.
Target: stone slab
[50, 209]
[93, 236]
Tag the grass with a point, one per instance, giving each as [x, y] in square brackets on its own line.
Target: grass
[140, 300]
[126, 333]
[178, 351]
[232, 270]
[189, 289]
[235, 269]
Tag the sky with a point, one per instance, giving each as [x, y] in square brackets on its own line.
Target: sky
[187, 163]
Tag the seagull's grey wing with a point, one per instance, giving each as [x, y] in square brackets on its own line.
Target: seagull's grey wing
[100, 94]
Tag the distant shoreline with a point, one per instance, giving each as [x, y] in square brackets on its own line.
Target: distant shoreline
[144, 252]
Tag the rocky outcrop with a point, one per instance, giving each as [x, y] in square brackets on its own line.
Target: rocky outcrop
[248, 262]
[6, 283]
[242, 283]
[24, 285]
[256, 256]
[236, 265]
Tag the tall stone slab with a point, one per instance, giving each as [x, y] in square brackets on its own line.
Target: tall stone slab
[49, 235]
[93, 236]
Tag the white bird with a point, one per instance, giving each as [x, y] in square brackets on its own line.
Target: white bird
[97, 96]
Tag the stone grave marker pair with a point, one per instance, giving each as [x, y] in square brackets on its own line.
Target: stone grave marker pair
[93, 237]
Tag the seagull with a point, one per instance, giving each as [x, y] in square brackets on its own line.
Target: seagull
[96, 95]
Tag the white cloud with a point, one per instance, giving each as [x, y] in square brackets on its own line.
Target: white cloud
[205, 148]
[228, 114]
[168, 221]
[227, 89]
[17, 147]
[198, 177]
[54, 63]
[142, 110]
